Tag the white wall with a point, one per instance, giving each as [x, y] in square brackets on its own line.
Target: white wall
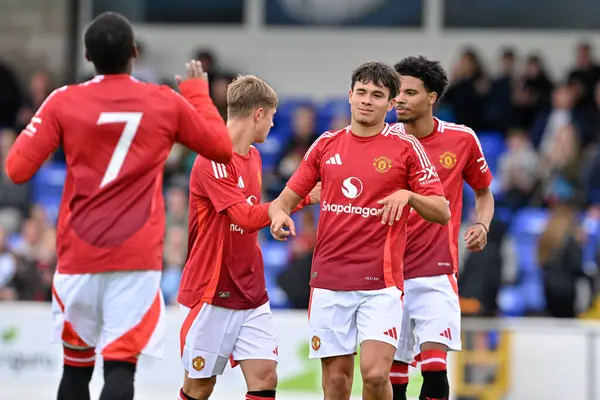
[318, 62]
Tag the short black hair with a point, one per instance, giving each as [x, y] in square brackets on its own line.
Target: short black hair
[109, 43]
[430, 72]
[380, 74]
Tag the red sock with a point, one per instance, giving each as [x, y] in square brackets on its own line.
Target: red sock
[433, 360]
[79, 358]
[399, 374]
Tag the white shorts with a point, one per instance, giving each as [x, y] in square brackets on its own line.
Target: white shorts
[212, 335]
[339, 321]
[431, 314]
[120, 314]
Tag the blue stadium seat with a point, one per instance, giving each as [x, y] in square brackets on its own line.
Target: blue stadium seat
[510, 301]
[493, 146]
[532, 290]
[329, 110]
[286, 108]
[47, 186]
[526, 228]
[445, 113]
[275, 255]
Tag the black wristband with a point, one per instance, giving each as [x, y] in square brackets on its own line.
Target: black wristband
[484, 227]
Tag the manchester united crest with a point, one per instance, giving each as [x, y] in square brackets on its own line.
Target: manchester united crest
[382, 164]
[316, 343]
[448, 160]
[198, 363]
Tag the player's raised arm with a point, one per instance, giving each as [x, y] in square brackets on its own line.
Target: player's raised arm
[201, 127]
[37, 141]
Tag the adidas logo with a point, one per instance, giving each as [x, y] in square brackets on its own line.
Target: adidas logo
[335, 160]
[392, 333]
[447, 334]
[240, 183]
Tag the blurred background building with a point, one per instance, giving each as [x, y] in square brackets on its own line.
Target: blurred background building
[525, 75]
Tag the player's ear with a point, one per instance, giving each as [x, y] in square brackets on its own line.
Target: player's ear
[259, 113]
[135, 52]
[349, 95]
[432, 98]
[87, 57]
[391, 104]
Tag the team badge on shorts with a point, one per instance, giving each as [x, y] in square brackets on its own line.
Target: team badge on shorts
[448, 160]
[316, 343]
[382, 164]
[198, 363]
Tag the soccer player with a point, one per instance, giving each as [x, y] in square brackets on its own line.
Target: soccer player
[116, 133]
[223, 292]
[356, 275]
[431, 320]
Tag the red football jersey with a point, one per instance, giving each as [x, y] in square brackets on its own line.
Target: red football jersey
[432, 249]
[224, 264]
[354, 251]
[116, 133]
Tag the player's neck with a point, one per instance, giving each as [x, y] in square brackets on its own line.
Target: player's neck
[421, 127]
[240, 136]
[365, 130]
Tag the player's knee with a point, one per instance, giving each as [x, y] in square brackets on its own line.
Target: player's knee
[337, 376]
[375, 381]
[199, 388]
[266, 380]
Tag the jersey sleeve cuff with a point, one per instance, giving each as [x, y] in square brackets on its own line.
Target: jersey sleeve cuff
[297, 189]
[194, 87]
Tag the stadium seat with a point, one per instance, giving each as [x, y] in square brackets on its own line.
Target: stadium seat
[526, 228]
[275, 255]
[510, 301]
[286, 108]
[493, 146]
[47, 186]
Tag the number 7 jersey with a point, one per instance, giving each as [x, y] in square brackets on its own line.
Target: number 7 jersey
[117, 133]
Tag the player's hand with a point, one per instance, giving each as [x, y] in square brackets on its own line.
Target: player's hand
[282, 226]
[393, 206]
[315, 194]
[193, 71]
[476, 237]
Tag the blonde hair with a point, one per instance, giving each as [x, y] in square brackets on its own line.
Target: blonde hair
[246, 93]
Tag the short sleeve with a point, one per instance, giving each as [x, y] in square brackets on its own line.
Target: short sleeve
[42, 136]
[422, 177]
[308, 173]
[476, 173]
[218, 182]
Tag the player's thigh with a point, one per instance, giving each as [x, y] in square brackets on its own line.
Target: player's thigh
[435, 310]
[133, 315]
[207, 338]
[76, 309]
[406, 351]
[332, 322]
[256, 349]
[379, 316]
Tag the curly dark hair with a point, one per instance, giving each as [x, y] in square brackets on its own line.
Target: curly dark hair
[430, 72]
[380, 74]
